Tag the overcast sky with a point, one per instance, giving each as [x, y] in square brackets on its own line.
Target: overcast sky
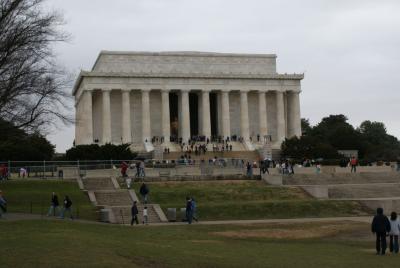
[349, 50]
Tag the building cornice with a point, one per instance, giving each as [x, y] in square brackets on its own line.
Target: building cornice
[195, 76]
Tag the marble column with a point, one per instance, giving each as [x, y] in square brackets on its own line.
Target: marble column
[185, 116]
[86, 118]
[226, 123]
[206, 116]
[146, 127]
[244, 116]
[294, 119]
[262, 111]
[166, 122]
[280, 117]
[126, 116]
[106, 120]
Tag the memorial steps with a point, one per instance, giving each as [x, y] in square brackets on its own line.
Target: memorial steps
[113, 198]
[98, 184]
[122, 214]
[245, 155]
[116, 203]
[342, 178]
[371, 189]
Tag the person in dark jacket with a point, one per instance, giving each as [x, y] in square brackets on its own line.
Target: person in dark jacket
[380, 226]
[135, 212]
[144, 192]
[189, 210]
[67, 207]
[54, 205]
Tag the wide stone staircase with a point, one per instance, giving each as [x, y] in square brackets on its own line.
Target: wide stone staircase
[116, 203]
[122, 214]
[373, 189]
[93, 184]
[245, 155]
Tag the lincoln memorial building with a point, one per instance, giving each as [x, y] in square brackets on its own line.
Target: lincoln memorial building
[153, 99]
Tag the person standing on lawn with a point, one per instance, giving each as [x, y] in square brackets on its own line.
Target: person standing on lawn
[54, 207]
[135, 212]
[394, 233]
[380, 227]
[67, 207]
[194, 210]
[189, 210]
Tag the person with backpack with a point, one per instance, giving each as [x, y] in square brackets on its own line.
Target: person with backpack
[54, 207]
[3, 204]
[394, 233]
[144, 192]
[67, 207]
[380, 227]
[135, 212]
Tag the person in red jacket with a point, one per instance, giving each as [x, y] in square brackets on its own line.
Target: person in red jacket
[353, 164]
[124, 168]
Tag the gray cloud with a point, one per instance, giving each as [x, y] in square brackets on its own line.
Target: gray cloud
[347, 49]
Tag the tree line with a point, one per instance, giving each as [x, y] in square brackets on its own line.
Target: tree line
[334, 133]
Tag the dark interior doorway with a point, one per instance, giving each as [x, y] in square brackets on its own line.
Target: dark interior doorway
[214, 114]
[194, 114]
[173, 114]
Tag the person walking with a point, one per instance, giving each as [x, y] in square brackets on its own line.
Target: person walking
[67, 207]
[394, 233]
[380, 227]
[144, 192]
[145, 216]
[3, 204]
[134, 212]
[54, 205]
[194, 210]
[189, 210]
[353, 164]
[142, 173]
[124, 168]
[137, 175]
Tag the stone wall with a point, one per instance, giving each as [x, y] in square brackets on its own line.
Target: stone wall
[185, 62]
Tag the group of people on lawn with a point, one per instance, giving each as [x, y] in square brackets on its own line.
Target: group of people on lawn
[55, 207]
[383, 226]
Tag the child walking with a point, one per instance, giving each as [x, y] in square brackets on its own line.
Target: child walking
[145, 216]
[394, 233]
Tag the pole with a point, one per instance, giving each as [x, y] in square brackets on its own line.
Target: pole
[44, 169]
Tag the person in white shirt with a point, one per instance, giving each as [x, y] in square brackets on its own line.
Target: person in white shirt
[394, 233]
[145, 216]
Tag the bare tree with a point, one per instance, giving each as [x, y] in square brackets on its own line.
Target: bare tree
[32, 87]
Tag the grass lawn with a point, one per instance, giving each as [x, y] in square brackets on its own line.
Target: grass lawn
[20, 194]
[222, 200]
[73, 244]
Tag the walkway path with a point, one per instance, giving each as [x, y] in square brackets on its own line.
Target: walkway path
[364, 219]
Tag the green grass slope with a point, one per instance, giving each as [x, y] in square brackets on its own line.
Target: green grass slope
[22, 195]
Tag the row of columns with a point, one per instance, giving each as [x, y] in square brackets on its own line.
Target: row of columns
[294, 127]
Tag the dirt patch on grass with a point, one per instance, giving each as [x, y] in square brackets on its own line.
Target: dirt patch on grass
[291, 231]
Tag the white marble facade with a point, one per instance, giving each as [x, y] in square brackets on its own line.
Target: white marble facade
[126, 97]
